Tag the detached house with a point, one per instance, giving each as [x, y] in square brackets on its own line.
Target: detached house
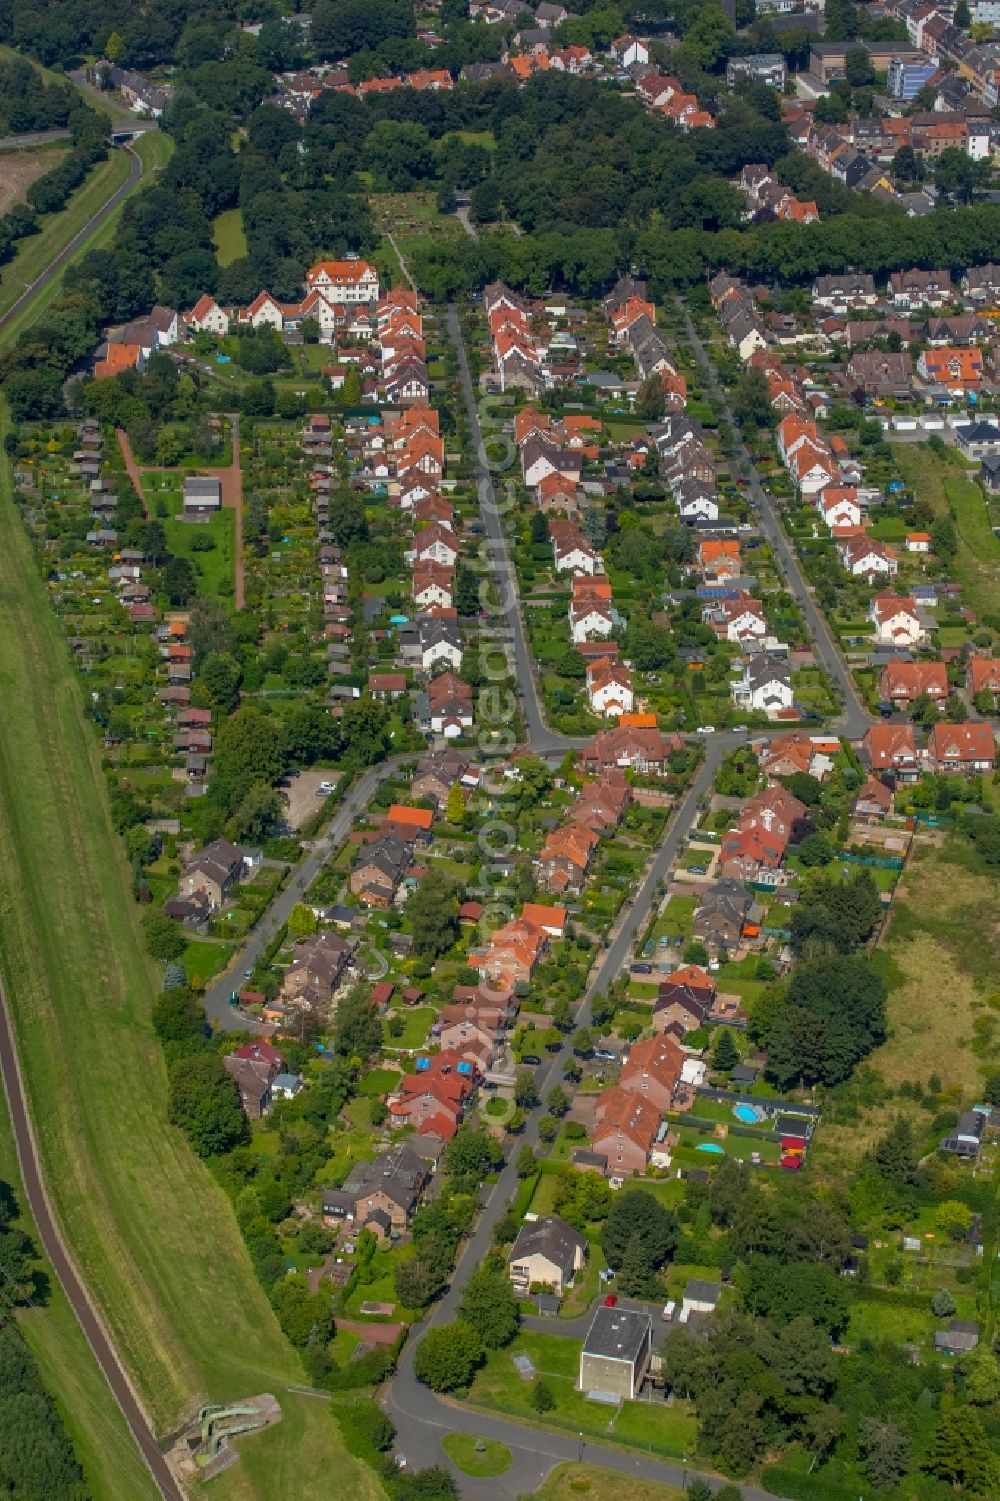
[718, 922]
[961, 747]
[892, 747]
[565, 857]
[867, 557]
[766, 686]
[895, 619]
[380, 1195]
[436, 544]
[591, 613]
[571, 551]
[838, 506]
[920, 289]
[513, 954]
[254, 1067]
[609, 687]
[546, 1253]
[653, 1070]
[625, 1131]
[215, 870]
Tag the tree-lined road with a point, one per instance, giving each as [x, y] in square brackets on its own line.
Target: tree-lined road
[855, 718]
[541, 739]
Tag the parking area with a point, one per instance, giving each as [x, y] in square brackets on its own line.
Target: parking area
[303, 794]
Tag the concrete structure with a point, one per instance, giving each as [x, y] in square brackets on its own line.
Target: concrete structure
[616, 1352]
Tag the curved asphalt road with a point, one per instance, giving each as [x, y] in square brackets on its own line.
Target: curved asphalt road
[220, 1013]
[56, 1250]
[79, 239]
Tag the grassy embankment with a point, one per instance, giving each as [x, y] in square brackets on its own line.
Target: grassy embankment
[155, 150]
[103, 1445]
[153, 1234]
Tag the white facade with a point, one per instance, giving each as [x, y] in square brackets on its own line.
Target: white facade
[613, 698]
[590, 627]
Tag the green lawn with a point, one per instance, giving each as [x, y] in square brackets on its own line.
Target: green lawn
[477, 1456]
[215, 569]
[945, 484]
[229, 236]
[498, 1386]
[153, 1234]
[417, 1021]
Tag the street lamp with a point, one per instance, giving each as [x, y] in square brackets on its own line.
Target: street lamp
[580, 1455]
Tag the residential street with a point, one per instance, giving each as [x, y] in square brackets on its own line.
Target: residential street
[409, 1403]
[855, 718]
[541, 738]
[220, 1013]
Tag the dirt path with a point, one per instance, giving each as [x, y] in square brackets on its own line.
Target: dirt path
[231, 480]
[131, 467]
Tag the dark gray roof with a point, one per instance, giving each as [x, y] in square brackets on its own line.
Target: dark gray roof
[701, 1291]
[550, 1237]
[767, 669]
[975, 432]
[590, 1159]
[398, 1173]
[618, 1333]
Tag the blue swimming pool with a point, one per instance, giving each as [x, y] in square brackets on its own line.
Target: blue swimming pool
[709, 1146]
[748, 1114]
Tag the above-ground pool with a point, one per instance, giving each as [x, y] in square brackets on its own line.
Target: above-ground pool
[748, 1114]
[709, 1146]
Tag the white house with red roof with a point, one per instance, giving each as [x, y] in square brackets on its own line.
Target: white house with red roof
[609, 687]
[350, 280]
[207, 317]
[896, 620]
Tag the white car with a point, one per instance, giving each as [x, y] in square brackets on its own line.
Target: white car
[705, 729]
[324, 789]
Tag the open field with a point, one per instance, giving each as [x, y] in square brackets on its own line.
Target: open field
[155, 1237]
[572, 1482]
[940, 960]
[943, 484]
[19, 169]
[111, 1463]
[230, 240]
[154, 149]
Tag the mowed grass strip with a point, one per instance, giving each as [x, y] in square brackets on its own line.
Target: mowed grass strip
[154, 1235]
